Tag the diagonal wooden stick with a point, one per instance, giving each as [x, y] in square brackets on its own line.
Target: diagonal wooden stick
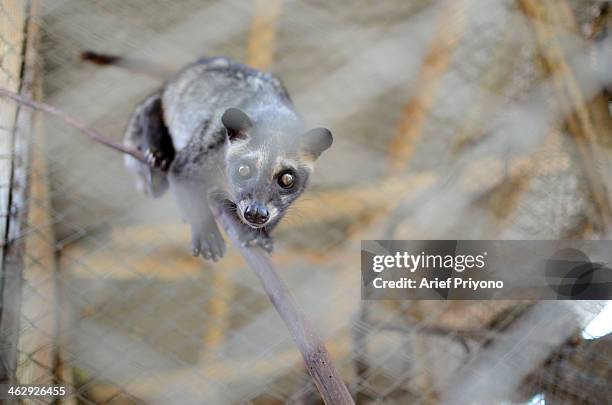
[315, 355]
[73, 122]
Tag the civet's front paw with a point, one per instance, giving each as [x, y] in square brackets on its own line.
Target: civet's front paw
[253, 238]
[208, 242]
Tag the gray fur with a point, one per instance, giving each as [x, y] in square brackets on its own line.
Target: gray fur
[206, 155]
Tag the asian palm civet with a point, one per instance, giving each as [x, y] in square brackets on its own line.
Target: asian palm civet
[220, 132]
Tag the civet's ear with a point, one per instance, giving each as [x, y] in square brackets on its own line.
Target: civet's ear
[236, 122]
[316, 141]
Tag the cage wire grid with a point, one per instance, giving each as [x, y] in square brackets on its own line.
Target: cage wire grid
[453, 106]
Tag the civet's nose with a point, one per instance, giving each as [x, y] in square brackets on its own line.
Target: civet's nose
[256, 214]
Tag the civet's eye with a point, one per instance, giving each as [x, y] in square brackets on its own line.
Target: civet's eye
[286, 180]
[244, 171]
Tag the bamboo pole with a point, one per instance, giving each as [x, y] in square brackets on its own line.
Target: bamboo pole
[449, 29]
[14, 176]
[38, 345]
[12, 30]
[262, 36]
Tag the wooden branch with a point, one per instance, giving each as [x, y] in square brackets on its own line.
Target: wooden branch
[73, 122]
[315, 355]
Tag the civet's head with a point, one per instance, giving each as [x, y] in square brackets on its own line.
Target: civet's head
[269, 163]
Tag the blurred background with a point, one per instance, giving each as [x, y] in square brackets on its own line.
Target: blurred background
[465, 119]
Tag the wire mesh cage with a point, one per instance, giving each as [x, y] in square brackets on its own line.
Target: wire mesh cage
[464, 119]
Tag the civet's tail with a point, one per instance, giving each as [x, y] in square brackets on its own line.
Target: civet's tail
[134, 65]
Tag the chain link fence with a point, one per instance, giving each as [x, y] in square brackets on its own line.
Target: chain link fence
[452, 120]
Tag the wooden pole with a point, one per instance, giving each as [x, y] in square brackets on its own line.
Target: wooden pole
[315, 355]
[14, 172]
